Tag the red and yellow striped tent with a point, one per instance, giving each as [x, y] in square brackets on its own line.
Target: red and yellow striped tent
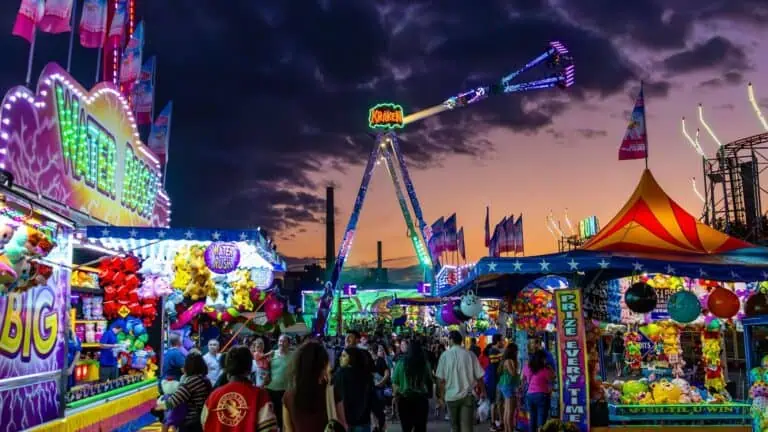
[651, 222]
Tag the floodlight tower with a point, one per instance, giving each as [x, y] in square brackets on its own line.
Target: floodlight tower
[384, 119]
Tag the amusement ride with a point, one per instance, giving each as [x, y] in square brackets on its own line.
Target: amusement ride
[385, 118]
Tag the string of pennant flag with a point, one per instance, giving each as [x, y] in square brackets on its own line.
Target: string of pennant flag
[98, 29]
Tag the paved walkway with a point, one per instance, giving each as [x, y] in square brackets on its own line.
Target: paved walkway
[433, 426]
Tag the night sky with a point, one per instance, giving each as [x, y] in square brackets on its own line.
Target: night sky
[271, 99]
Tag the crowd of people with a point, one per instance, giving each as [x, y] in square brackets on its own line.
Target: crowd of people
[354, 384]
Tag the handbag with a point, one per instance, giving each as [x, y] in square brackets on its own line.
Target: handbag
[333, 424]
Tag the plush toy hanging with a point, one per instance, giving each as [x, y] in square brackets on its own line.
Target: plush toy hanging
[447, 314]
[670, 334]
[120, 281]
[632, 356]
[471, 306]
[714, 380]
[593, 333]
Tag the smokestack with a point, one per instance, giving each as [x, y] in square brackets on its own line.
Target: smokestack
[379, 260]
[330, 230]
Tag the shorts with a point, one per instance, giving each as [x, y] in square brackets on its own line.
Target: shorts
[107, 373]
[508, 391]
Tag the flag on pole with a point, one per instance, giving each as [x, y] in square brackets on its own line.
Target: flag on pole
[519, 244]
[29, 15]
[117, 26]
[144, 93]
[450, 234]
[635, 142]
[56, 16]
[93, 23]
[160, 134]
[498, 241]
[460, 244]
[130, 65]
[436, 241]
[509, 238]
[487, 226]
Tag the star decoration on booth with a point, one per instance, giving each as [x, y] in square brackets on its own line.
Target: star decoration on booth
[670, 269]
[133, 233]
[243, 236]
[702, 273]
[492, 267]
[161, 234]
[216, 235]
[765, 275]
[604, 264]
[188, 235]
[105, 232]
[735, 276]
[544, 265]
[573, 264]
[637, 266]
[517, 265]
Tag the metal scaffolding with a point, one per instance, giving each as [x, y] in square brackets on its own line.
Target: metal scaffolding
[733, 189]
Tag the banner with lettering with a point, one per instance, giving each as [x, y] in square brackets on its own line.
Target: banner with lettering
[81, 150]
[602, 301]
[32, 343]
[572, 358]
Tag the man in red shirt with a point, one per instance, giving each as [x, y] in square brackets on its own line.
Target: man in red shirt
[239, 405]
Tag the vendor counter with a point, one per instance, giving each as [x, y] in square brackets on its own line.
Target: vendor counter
[725, 417]
[123, 409]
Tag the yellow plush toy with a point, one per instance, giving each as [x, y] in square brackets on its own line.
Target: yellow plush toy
[241, 290]
[664, 392]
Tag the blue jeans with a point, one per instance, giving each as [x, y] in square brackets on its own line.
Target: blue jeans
[362, 428]
[538, 408]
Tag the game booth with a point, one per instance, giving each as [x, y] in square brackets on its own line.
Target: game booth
[677, 291]
[70, 158]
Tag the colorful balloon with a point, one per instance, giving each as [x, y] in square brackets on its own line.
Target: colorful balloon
[723, 303]
[757, 304]
[274, 309]
[446, 313]
[640, 298]
[683, 307]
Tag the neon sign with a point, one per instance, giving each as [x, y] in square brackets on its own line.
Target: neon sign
[588, 227]
[90, 155]
[385, 116]
[222, 257]
[29, 322]
[82, 150]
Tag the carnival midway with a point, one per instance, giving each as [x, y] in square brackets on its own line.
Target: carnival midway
[113, 319]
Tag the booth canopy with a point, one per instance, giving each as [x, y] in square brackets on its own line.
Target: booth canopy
[650, 234]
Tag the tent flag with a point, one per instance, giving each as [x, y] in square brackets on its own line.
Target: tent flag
[635, 142]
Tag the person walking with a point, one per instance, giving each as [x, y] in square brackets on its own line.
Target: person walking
[212, 360]
[354, 384]
[304, 403]
[413, 386]
[509, 381]
[238, 406]
[493, 353]
[617, 352]
[192, 392]
[458, 373]
[539, 377]
[278, 376]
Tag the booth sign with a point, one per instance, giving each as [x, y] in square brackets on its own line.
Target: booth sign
[81, 150]
[572, 358]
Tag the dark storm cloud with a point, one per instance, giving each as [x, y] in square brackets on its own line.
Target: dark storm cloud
[267, 94]
[717, 52]
[728, 78]
[591, 133]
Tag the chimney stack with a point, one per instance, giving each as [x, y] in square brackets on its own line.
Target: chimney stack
[379, 259]
[330, 230]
